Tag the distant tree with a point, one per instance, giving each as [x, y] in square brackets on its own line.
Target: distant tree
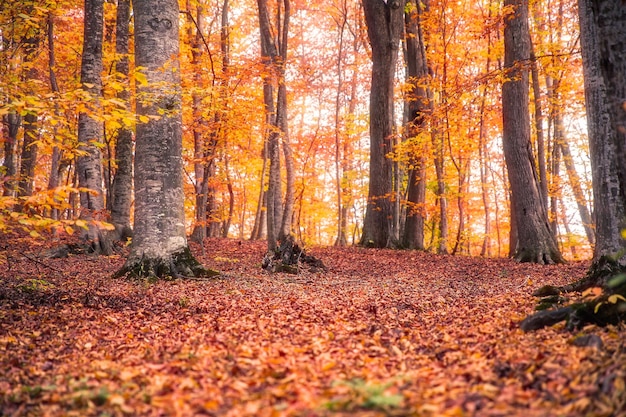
[384, 28]
[535, 241]
[159, 248]
[90, 134]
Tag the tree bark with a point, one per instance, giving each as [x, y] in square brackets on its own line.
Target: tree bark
[274, 56]
[159, 248]
[535, 242]
[89, 162]
[121, 192]
[384, 27]
[419, 105]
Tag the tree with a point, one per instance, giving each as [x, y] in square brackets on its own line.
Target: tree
[603, 24]
[159, 248]
[384, 28]
[535, 241]
[121, 193]
[89, 160]
[419, 106]
[274, 55]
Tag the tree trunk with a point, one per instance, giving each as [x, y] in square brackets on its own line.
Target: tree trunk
[12, 123]
[579, 196]
[608, 193]
[274, 55]
[384, 27]
[536, 243]
[603, 27]
[121, 192]
[419, 105]
[159, 248]
[89, 162]
[55, 162]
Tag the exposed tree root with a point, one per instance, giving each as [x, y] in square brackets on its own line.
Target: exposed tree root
[288, 257]
[179, 265]
[607, 308]
[539, 256]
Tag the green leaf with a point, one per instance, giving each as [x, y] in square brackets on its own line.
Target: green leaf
[617, 281]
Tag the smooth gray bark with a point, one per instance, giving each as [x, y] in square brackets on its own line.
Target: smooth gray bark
[159, 248]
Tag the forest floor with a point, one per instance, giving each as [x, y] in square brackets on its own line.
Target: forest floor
[381, 333]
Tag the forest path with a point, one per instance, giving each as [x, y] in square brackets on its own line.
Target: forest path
[380, 333]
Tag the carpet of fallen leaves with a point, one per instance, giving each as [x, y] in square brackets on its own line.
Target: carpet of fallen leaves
[382, 333]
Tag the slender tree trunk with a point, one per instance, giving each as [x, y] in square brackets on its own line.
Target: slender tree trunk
[89, 162]
[419, 105]
[274, 55]
[121, 193]
[384, 28]
[535, 240]
[575, 183]
[29, 156]
[341, 239]
[541, 147]
[12, 123]
[55, 163]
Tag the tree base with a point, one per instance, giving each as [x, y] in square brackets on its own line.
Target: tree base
[287, 258]
[607, 308]
[538, 256]
[180, 265]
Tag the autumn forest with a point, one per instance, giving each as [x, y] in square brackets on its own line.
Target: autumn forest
[312, 208]
[327, 79]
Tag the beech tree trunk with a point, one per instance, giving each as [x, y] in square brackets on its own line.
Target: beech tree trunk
[608, 191]
[603, 29]
[384, 28]
[121, 193]
[535, 242]
[159, 248]
[90, 134]
[274, 56]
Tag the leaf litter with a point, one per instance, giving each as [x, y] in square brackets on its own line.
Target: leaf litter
[381, 333]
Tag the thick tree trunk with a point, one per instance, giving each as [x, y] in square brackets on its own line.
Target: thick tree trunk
[535, 242]
[384, 27]
[604, 55]
[159, 247]
[89, 162]
[603, 28]
[121, 192]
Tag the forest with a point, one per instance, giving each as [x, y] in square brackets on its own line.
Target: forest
[300, 208]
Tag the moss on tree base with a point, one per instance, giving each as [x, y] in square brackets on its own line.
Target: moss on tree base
[539, 256]
[179, 265]
[607, 308]
[287, 258]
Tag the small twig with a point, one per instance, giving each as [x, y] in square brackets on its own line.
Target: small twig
[42, 263]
